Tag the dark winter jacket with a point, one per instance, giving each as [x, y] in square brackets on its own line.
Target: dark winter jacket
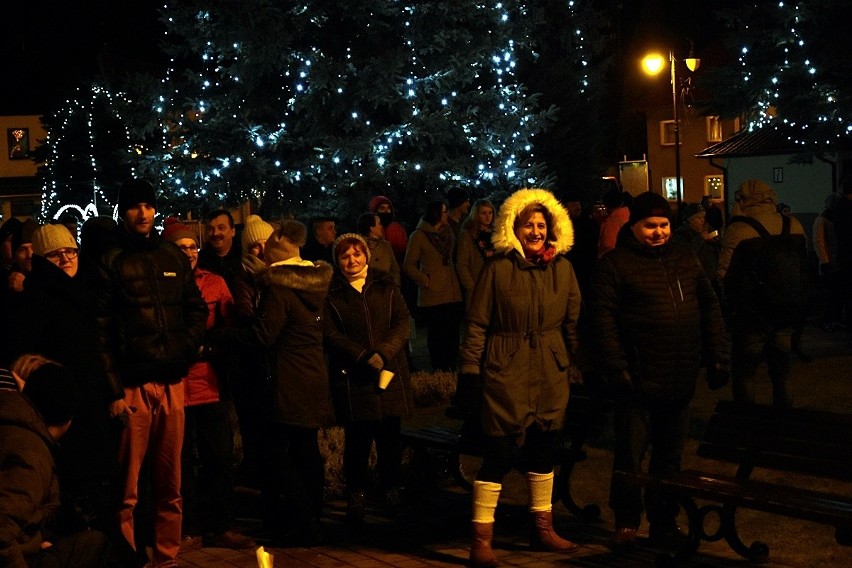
[228, 266]
[289, 323]
[653, 310]
[54, 318]
[150, 313]
[356, 324]
[29, 489]
[521, 327]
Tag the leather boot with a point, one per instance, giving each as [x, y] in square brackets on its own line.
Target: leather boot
[481, 553]
[544, 537]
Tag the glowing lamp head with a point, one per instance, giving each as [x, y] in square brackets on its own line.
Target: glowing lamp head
[653, 63]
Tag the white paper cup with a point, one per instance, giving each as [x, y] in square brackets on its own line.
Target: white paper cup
[385, 377]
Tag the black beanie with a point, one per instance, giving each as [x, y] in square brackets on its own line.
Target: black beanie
[23, 234]
[649, 204]
[8, 228]
[457, 196]
[53, 392]
[136, 191]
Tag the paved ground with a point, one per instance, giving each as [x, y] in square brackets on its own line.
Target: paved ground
[436, 531]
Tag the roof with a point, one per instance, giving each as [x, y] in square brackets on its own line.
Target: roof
[770, 140]
[767, 141]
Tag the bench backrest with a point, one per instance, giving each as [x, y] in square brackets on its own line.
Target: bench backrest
[787, 439]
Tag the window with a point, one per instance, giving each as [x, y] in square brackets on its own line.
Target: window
[670, 188]
[713, 186]
[667, 136]
[24, 207]
[714, 129]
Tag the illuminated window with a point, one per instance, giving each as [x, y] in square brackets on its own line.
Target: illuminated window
[713, 186]
[714, 129]
[667, 137]
[670, 188]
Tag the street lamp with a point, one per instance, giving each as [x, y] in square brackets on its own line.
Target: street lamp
[652, 64]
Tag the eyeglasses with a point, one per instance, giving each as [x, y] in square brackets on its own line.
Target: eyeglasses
[189, 248]
[70, 253]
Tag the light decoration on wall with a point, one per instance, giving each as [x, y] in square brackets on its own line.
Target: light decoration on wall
[79, 120]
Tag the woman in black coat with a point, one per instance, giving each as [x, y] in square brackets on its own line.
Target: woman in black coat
[366, 330]
[53, 318]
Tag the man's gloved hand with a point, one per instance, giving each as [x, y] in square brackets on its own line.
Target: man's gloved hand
[374, 361]
[468, 398]
[370, 364]
[717, 376]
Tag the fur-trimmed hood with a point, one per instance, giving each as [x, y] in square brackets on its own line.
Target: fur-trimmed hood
[308, 282]
[561, 235]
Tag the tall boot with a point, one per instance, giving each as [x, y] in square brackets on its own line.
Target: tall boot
[485, 497]
[542, 535]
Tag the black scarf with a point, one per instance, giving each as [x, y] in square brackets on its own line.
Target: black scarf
[442, 241]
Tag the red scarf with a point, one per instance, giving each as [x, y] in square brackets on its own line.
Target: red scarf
[544, 257]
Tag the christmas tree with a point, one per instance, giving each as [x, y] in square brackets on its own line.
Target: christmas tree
[309, 107]
[793, 68]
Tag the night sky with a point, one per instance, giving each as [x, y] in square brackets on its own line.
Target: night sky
[49, 49]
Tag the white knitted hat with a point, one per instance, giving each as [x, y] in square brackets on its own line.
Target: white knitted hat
[254, 230]
[49, 238]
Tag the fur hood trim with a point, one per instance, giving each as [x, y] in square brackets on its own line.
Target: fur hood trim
[561, 235]
[312, 279]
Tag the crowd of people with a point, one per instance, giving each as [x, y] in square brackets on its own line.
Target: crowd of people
[169, 342]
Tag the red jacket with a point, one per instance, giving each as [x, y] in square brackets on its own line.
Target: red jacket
[201, 385]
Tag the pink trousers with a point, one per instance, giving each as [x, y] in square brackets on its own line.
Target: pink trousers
[155, 429]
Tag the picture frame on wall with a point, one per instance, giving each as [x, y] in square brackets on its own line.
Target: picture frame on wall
[18, 140]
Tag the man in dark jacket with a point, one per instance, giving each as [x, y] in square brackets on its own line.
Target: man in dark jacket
[30, 426]
[151, 320]
[221, 253]
[653, 314]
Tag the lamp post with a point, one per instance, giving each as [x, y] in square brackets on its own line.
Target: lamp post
[653, 64]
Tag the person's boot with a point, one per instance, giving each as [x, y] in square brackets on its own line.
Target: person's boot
[481, 553]
[485, 497]
[542, 535]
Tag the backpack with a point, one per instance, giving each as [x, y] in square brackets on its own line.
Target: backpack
[768, 274]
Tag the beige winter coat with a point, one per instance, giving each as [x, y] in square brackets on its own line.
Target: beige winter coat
[436, 281]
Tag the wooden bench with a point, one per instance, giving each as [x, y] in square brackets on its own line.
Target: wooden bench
[585, 418]
[801, 441]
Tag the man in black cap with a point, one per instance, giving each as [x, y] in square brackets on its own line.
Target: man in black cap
[458, 202]
[6, 231]
[21, 247]
[151, 320]
[652, 310]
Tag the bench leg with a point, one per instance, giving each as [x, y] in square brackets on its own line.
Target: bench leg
[695, 533]
[757, 552]
[588, 513]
